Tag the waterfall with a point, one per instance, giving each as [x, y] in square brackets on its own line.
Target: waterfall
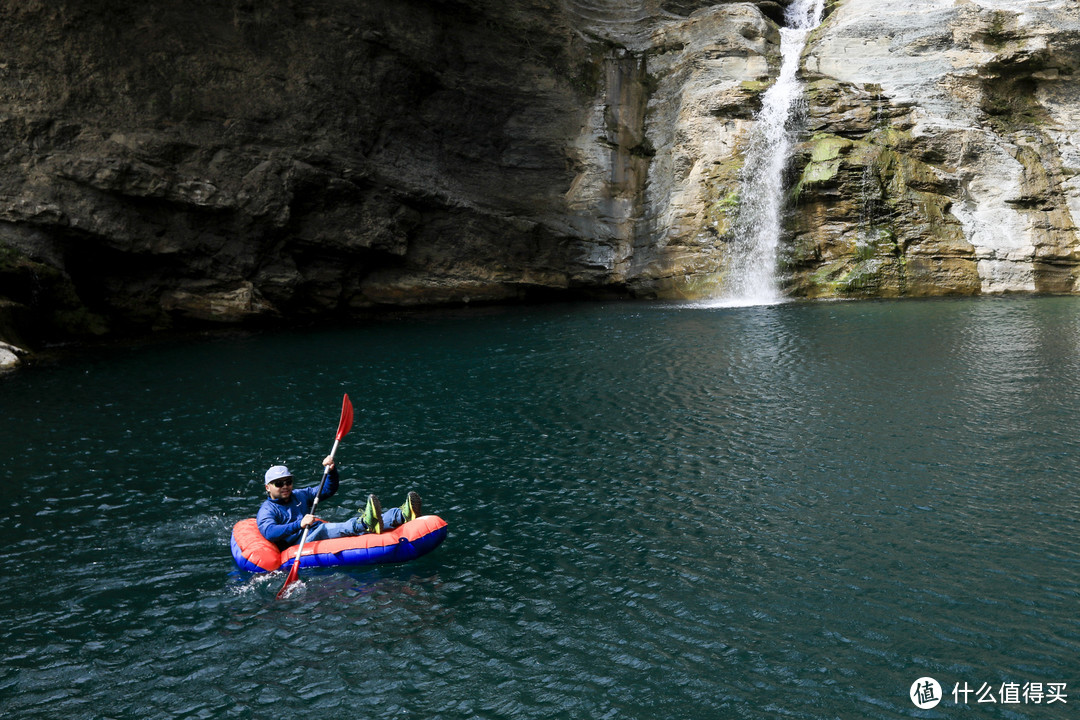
[751, 275]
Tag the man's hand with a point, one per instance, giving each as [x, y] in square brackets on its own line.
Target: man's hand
[307, 520]
[328, 463]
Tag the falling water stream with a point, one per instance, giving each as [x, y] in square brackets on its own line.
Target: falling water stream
[752, 272]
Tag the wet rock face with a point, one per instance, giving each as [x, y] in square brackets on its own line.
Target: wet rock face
[197, 162]
[962, 152]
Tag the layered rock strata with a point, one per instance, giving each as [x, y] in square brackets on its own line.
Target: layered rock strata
[947, 134]
[938, 154]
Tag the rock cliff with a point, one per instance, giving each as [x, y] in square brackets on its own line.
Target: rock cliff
[945, 145]
[174, 164]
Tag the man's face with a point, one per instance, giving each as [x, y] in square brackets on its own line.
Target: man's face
[284, 492]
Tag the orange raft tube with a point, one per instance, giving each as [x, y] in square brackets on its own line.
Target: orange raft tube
[255, 553]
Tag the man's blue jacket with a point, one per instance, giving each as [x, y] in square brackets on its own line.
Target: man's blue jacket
[279, 521]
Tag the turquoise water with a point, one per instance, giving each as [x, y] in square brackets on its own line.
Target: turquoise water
[655, 512]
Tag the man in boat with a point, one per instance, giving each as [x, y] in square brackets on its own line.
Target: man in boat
[286, 512]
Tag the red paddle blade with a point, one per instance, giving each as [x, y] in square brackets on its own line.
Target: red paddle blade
[294, 575]
[346, 418]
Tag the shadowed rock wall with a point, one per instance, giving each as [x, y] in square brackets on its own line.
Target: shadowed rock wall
[173, 162]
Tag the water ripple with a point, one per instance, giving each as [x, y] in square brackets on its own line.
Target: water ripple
[662, 511]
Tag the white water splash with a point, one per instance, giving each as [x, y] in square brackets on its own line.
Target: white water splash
[751, 276]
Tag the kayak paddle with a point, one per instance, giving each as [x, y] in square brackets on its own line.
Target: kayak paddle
[344, 425]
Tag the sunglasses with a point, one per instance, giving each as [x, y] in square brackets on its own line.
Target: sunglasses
[281, 483]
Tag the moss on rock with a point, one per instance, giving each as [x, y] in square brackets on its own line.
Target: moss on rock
[875, 221]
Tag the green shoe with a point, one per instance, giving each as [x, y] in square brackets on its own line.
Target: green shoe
[371, 515]
[411, 509]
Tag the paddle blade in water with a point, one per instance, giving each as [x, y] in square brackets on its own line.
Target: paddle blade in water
[294, 575]
[346, 418]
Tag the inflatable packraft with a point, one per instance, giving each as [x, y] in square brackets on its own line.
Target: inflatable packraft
[255, 553]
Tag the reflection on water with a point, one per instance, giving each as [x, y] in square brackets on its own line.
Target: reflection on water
[677, 512]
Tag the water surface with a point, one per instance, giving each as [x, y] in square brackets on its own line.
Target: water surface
[655, 512]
